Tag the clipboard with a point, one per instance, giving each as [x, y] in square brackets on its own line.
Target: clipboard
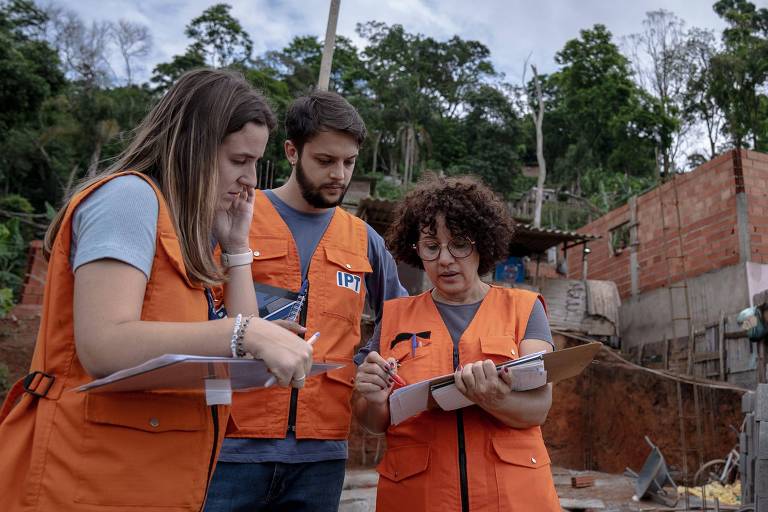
[188, 372]
[416, 398]
[529, 360]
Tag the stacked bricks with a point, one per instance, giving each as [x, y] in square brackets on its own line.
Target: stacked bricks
[708, 218]
[31, 300]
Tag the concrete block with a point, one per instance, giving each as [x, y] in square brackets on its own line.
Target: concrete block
[761, 404]
[360, 478]
[762, 446]
[358, 500]
[748, 402]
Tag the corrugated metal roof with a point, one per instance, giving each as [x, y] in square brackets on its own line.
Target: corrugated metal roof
[530, 240]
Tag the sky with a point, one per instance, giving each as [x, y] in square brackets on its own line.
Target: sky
[512, 29]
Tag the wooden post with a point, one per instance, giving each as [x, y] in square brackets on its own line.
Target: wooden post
[720, 344]
[330, 43]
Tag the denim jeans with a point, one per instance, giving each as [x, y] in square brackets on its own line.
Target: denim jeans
[276, 486]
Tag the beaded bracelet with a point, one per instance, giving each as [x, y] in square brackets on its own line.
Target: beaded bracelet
[235, 332]
[239, 349]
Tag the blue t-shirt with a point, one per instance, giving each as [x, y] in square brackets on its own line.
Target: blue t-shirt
[382, 284]
[118, 221]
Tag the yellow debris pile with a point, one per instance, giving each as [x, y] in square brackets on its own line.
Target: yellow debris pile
[729, 494]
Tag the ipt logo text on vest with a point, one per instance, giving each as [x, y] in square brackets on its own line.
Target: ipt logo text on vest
[350, 281]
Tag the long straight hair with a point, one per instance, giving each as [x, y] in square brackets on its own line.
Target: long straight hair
[176, 145]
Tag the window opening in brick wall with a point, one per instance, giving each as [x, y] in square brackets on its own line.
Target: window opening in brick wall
[619, 238]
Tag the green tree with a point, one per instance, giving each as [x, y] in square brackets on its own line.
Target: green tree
[298, 64]
[598, 119]
[219, 37]
[165, 73]
[30, 78]
[420, 91]
[740, 72]
[218, 40]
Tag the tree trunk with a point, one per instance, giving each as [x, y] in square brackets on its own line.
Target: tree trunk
[376, 141]
[539, 119]
[93, 167]
[70, 182]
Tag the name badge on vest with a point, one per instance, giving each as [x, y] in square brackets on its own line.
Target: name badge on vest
[349, 281]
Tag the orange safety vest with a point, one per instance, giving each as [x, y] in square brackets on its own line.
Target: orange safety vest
[334, 307]
[436, 457]
[68, 451]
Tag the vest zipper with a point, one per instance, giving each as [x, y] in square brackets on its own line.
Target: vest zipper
[294, 404]
[212, 461]
[462, 449]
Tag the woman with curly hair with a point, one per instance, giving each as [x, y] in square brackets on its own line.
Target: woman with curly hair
[489, 456]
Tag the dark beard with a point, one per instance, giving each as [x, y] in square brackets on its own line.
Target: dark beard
[312, 194]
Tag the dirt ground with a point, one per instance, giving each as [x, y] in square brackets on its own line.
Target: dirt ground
[17, 342]
[598, 420]
[615, 493]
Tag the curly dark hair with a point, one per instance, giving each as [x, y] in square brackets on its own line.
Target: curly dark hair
[470, 208]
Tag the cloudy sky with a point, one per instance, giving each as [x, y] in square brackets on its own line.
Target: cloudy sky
[512, 29]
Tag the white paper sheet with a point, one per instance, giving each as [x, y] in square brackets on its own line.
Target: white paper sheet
[218, 392]
[408, 401]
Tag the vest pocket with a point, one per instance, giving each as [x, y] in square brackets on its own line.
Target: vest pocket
[403, 482]
[523, 474]
[345, 375]
[144, 449]
[330, 407]
[266, 248]
[403, 462]
[499, 348]
[344, 293]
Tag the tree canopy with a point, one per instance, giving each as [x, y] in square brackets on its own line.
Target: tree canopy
[616, 120]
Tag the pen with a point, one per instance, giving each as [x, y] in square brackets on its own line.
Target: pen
[398, 379]
[272, 380]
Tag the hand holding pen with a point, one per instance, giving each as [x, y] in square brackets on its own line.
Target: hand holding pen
[377, 377]
[271, 381]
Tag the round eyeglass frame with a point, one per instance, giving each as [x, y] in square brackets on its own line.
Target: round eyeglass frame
[447, 246]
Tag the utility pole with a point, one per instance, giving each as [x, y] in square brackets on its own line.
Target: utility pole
[330, 43]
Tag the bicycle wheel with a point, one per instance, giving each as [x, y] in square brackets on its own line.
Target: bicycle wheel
[708, 472]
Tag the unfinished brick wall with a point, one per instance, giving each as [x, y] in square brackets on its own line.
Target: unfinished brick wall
[708, 220]
[18, 330]
[755, 170]
[31, 300]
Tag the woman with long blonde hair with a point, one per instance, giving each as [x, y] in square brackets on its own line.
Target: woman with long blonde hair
[131, 266]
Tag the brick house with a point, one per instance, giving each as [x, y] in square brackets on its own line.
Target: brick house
[712, 248]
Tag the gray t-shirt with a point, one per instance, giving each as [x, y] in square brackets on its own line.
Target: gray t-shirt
[380, 285]
[457, 318]
[117, 221]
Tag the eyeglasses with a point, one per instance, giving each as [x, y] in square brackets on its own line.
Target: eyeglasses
[459, 247]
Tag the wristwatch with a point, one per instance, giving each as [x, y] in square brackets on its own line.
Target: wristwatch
[236, 260]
